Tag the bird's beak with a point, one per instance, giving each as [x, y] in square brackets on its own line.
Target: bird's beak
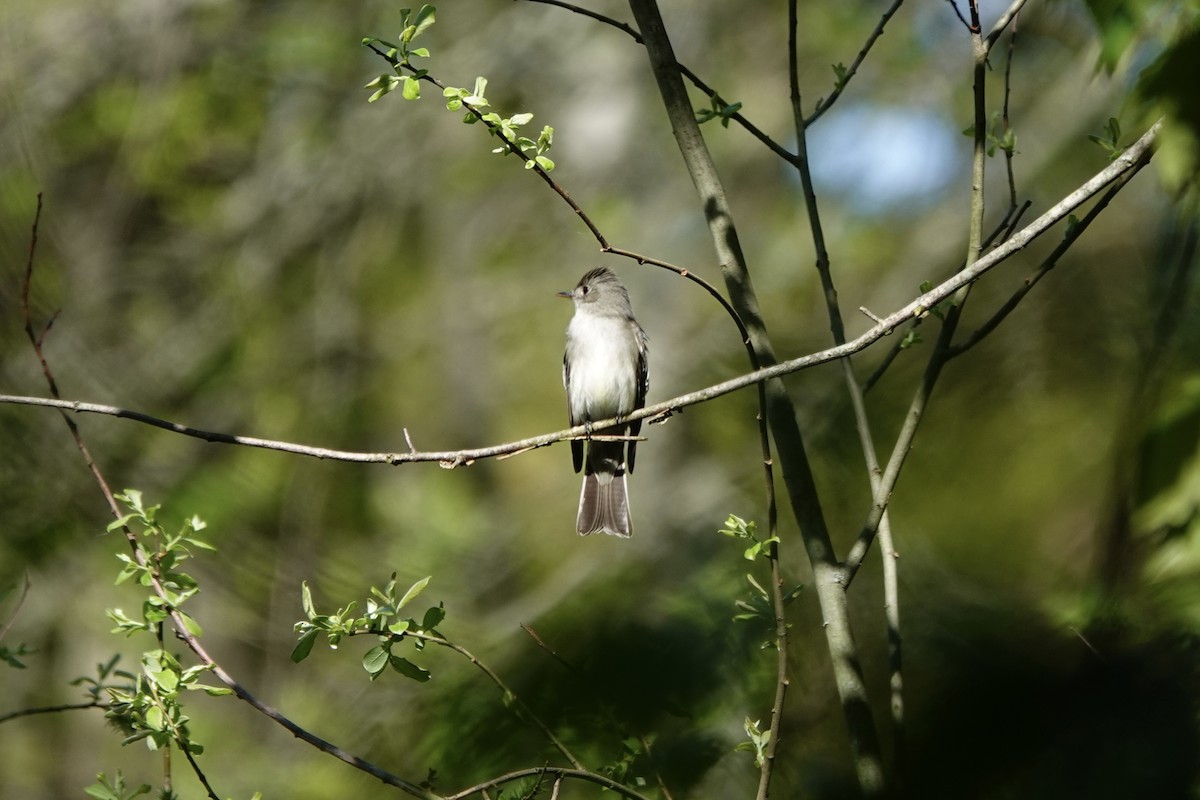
[567, 295]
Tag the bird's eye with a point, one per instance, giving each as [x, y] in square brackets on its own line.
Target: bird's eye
[584, 289]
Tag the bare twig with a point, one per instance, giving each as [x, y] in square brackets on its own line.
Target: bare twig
[29, 712]
[200, 776]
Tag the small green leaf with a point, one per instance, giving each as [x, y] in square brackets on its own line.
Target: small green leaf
[409, 669]
[306, 600]
[190, 624]
[433, 618]
[154, 718]
[304, 646]
[413, 591]
[375, 659]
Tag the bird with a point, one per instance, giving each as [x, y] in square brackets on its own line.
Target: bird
[605, 376]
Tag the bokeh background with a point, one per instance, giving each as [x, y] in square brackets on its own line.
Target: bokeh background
[238, 241]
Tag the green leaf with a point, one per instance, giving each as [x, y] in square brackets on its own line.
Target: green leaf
[306, 600]
[409, 669]
[375, 659]
[154, 718]
[190, 624]
[413, 591]
[425, 17]
[412, 89]
[304, 646]
[433, 618]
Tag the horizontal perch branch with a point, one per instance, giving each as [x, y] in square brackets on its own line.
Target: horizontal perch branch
[884, 326]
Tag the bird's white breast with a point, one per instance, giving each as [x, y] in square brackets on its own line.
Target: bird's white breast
[603, 354]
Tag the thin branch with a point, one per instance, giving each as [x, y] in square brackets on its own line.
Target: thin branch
[1005, 227]
[1051, 261]
[557, 773]
[1008, 151]
[938, 357]
[29, 712]
[824, 104]
[867, 755]
[441, 641]
[959, 14]
[510, 145]
[200, 776]
[737, 117]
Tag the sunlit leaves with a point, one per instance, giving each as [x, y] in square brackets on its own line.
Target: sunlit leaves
[738, 528]
[380, 618]
[757, 742]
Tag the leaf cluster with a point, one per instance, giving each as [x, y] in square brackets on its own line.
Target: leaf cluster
[757, 743]
[758, 605]
[408, 79]
[381, 618]
[150, 709]
[157, 567]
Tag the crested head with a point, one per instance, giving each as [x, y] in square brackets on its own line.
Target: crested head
[600, 291]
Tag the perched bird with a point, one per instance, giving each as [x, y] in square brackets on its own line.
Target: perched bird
[604, 373]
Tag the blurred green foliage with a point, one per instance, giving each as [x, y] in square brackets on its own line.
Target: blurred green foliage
[238, 241]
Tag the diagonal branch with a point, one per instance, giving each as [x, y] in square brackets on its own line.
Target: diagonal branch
[780, 411]
[826, 103]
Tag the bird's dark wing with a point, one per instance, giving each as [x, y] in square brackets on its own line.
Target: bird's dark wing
[643, 386]
[576, 444]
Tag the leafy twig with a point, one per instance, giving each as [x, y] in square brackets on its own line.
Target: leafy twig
[846, 73]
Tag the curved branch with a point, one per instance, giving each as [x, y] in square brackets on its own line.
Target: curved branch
[441, 641]
[558, 772]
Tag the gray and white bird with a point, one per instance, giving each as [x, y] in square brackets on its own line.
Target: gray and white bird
[604, 373]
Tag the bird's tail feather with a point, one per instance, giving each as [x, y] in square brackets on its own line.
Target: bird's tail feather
[604, 505]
